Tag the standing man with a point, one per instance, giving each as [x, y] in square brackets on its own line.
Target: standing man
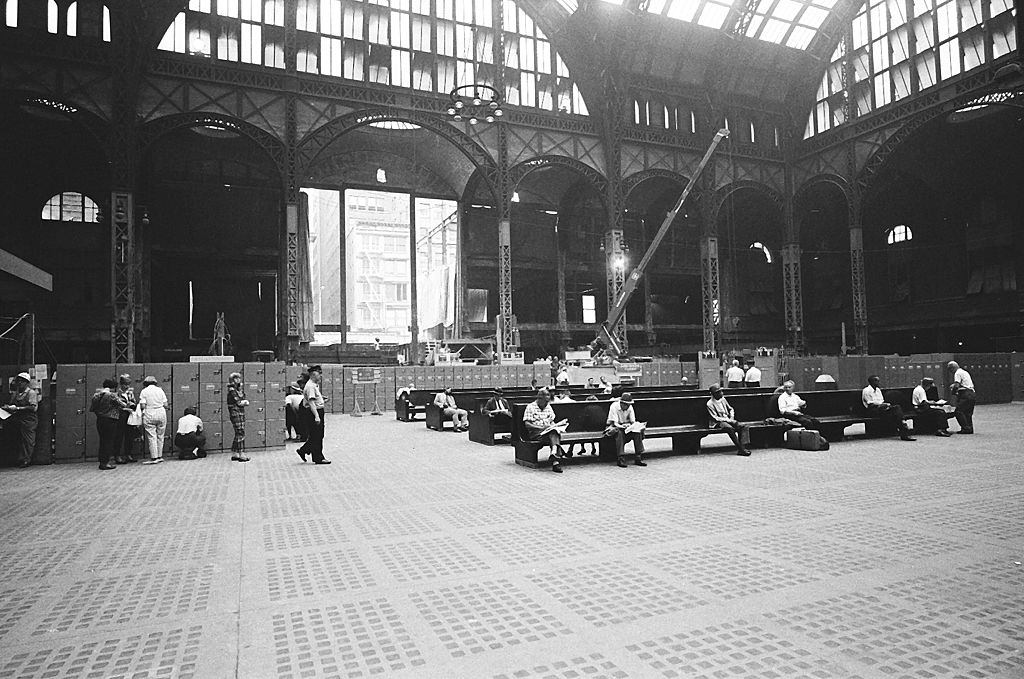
[538, 419]
[23, 406]
[313, 410]
[963, 388]
[620, 418]
[876, 405]
[108, 411]
[724, 417]
[237, 403]
[930, 411]
[791, 407]
[446, 402]
[752, 378]
[734, 376]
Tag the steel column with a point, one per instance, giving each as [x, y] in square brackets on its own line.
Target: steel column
[122, 277]
[791, 274]
[860, 309]
[507, 334]
[615, 267]
[711, 295]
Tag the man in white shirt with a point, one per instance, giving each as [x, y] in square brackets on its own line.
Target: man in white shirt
[876, 405]
[791, 407]
[189, 438]
[313, 402]
[963, 388]
[562, 396]
[724, 417]
[752, 378]
[931, 413]
[734, 376]
[620, 418]
[446, 402]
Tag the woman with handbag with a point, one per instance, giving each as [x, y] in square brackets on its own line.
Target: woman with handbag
[128, 422]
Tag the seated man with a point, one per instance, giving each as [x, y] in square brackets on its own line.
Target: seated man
[538, 420]
[724, 417]
[929, 411]
[791, 407]
[446, 402]
[752, 378]
[403, 392]
[734, 376]
[621, 417]
[876, 405]
[497, 407]
[190, 439]
[562, 396]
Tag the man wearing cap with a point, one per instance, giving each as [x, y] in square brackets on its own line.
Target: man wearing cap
[313, 402]
[963, 388]
[620, 418]
[930, 412]
[497, 407]
[724, 417]
[446, 402]
[23, 406]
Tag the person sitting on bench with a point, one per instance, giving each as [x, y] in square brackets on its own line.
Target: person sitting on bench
[876, 405]
[538, 418]
[621, 417]
[791, 407]
[446, 402]
[562, 396]
[190, 439]
[930, 411]
[497, 407]
[724, 417]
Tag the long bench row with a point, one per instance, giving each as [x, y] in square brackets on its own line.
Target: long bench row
[684, 419]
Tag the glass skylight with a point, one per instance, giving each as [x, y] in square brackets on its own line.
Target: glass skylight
[792, 23]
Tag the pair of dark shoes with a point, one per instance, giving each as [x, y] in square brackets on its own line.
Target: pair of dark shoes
[303, 456]
[743, 452]
[107, 466]
[126, 460]
[239, 458]
[556, 468]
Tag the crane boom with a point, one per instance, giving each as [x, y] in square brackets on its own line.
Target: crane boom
[604, 335]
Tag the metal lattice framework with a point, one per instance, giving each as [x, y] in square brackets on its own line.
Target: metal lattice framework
[792, 283]
[711, 293]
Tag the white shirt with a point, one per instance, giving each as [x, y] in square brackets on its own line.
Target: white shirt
[153, 398]
[734, 374]
[619, 415]
[189, 424]
[872, 396]
[753, 375]
[563, 377]
[311, 395]
[790, 403]
[294, 401]
[920, 396]
[562, 399]
[963, 378]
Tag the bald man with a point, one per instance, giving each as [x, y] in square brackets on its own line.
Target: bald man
[963, 388]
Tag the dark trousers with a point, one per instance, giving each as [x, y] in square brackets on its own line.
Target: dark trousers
[314, 444]
[734, 385]
[622, 438]
[739, 433]
[890, 414]
[553, 439]
[965, 400]
[107, 429]
[751, 385]
[292, 421]
[125, 440]
[805, 421]
[929, 420]
[186, 443]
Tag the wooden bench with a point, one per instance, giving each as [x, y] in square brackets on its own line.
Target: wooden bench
[684, 419]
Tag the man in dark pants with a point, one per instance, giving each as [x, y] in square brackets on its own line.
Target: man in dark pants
[876, 405]
[108, 412]
[621, 418]
[724, 417]
[963, 388]
[313, 413]
[930, 417]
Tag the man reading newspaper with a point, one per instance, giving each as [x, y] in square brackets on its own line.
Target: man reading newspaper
[539, 419]
[623, 427]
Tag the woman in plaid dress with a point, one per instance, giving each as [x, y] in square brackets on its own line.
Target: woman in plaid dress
[236, 410]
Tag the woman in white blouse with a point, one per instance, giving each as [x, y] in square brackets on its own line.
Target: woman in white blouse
[153, 402]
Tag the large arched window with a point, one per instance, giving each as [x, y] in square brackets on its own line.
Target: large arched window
[424, 45]
[71, 207]
[758, 245]
[94, 21]
[899, 234]
[897, 48]
[11, 13]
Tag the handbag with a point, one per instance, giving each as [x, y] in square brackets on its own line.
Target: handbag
[135, 417]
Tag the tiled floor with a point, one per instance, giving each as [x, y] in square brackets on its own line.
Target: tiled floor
[420, 554]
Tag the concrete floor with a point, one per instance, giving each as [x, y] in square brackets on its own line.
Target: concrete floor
[420, 554]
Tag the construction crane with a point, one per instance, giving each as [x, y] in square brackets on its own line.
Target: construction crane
[604, 335]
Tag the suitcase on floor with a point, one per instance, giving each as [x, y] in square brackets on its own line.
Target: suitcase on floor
[805, 439]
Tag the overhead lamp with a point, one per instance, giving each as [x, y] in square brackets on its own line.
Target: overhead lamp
[476, 103]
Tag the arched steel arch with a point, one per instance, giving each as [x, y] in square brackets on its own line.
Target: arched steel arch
[517, 172]
[636, 179]
[836, 180]
[719, 197]
[271, 145]
[96, 125]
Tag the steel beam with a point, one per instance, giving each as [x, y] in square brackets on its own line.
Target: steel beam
[711, 294]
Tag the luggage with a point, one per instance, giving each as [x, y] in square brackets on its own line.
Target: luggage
[805, 439]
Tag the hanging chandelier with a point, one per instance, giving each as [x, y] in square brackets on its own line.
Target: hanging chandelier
[476, 103]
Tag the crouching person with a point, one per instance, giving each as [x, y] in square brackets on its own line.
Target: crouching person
[190, 439]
